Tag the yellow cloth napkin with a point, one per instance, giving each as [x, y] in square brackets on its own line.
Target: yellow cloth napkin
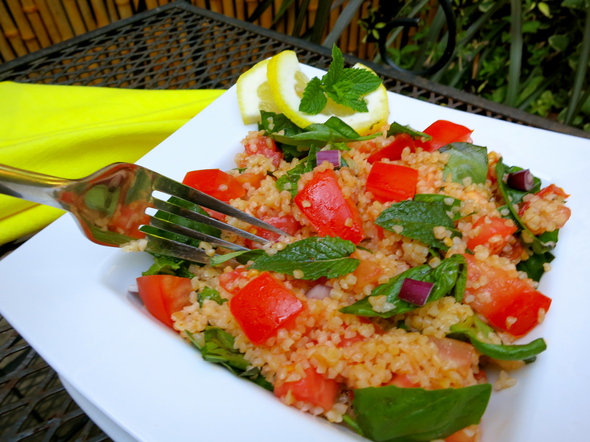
[72, 131]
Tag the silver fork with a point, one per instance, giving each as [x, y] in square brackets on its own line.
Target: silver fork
[110, 207]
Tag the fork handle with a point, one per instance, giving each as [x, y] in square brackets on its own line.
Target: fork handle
[31, 186]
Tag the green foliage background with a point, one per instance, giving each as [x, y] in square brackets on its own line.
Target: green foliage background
[549, 68]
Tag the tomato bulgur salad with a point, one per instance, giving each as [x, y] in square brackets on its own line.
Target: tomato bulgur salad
[410, 264]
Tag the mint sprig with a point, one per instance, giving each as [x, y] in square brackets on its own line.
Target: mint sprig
[345, 86]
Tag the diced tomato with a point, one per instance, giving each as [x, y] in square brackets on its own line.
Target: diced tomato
[393, 151]
[129, 217]
[234, 280]
[493, 232]
[467, 434]
[507, 302]
[163, 295]
[313, 388]
[322, 202]
[367, 272]
[264, 306]
[459, 355]
[267, 147]
[552, 189]
[390, 182]
[216, 183]
[254, 179]
[286, 223]
[402, 381]
[444, 132]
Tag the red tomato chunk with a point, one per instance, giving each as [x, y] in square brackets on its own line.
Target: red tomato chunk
[215, 183]
[393, 151]
[444, 132]
[390, 182]
[313, 388]
[492, 232]
[267, 147]
[322, 202]
[507, 302]
[264, 306]
[163, 295]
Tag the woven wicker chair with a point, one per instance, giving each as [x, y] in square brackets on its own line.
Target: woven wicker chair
[29, 25]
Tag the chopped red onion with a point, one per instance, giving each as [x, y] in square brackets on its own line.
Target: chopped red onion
[318, 291]
[521, 180]
[415, 292]
[331, 156]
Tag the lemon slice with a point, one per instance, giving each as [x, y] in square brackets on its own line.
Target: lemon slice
[287, 83]
[254, 93]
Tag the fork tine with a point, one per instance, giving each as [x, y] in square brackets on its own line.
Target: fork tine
[174, 188]
[175, 249]
[190, 233]
[186, 213]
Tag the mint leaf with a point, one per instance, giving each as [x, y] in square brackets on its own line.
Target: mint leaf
[418, 219]
[315, 257]
[345, 86]
[313, 100]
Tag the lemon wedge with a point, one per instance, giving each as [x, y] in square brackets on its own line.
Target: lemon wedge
[254, 93]
[287, 83]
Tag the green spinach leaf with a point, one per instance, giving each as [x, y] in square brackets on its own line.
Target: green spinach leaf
[534, 266]
[539, 244]
[211, 294]
[217, 346]
[449, 202]
[290, 179]
[448, 278]
[396, 414]
[473, 327]
[315, 257]
[396, 128]
[466, 161]
[167, 265]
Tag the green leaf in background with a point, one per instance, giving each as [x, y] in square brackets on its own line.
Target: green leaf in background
[396, 414]
[473, 327]
[576, 4]
[466, 161]
[559, 42]
[418, 220]
[315, 257]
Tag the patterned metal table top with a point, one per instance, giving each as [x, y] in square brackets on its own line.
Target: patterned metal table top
[176, 46]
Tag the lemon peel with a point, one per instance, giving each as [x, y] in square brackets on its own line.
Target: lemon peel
[254, 93]
[277, 85]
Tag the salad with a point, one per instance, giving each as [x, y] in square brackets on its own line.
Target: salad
[409, 265]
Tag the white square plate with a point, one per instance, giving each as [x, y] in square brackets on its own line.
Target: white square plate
[140, 381]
